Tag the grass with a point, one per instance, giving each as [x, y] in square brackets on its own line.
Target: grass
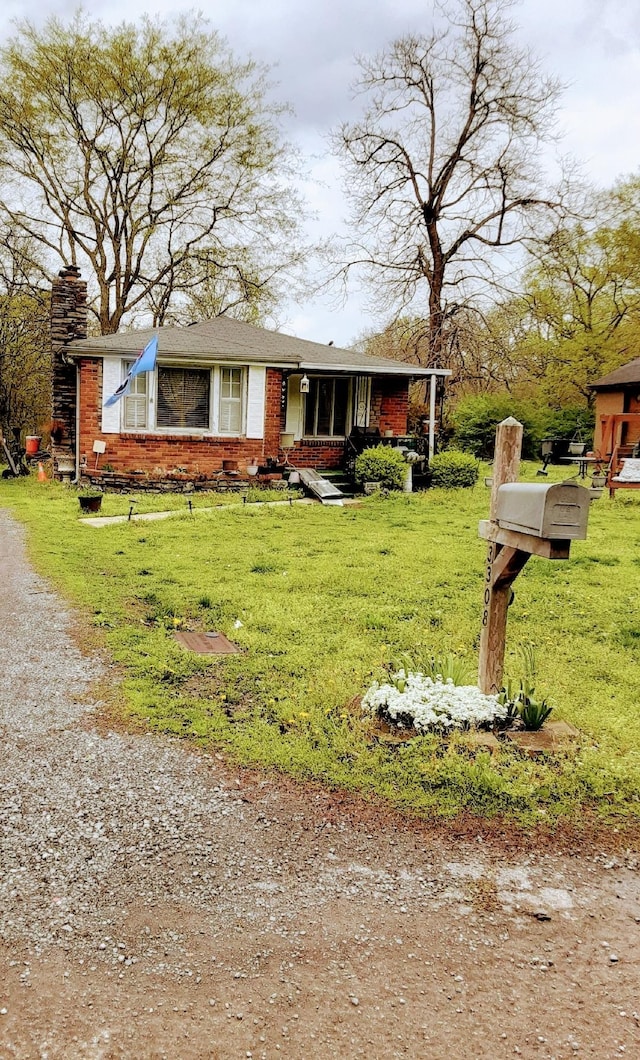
[324, 599]
[121, 503]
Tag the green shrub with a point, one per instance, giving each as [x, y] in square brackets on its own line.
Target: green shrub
[382, 464]
[574, 419]
[475, 420]
[452, 469]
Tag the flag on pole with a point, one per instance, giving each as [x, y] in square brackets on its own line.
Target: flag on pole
[145, 362]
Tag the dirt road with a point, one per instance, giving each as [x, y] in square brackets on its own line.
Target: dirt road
[155, 903]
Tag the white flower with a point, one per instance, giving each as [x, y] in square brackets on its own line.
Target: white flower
[429, 704]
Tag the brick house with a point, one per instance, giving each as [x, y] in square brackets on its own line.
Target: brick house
[221, 390]
[617, 408]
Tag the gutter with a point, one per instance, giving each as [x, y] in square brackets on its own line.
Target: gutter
[368, 369]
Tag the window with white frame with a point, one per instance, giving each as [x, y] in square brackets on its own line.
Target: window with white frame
[212, 400]
[135, 402]
[183, 400]
[327, 404]
[230, 401]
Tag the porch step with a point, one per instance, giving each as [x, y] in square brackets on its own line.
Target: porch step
[341, 479]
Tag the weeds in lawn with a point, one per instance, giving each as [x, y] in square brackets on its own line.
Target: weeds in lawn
[338, 597]
[519, 697]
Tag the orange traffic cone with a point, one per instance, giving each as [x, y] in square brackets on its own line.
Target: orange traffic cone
[42, 474]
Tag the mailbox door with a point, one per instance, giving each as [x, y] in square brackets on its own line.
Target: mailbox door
[566, 512]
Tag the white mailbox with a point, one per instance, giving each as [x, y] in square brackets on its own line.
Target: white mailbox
[556, 512]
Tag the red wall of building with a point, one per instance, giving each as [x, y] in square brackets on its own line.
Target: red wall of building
[148, 452]
[133, 451]
[390, 405]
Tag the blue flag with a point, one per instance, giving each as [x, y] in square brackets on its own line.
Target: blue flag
[145, 362]
[123, 389]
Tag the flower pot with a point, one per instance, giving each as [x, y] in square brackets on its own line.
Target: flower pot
[252, 469]
[90, 504]
[32, 444]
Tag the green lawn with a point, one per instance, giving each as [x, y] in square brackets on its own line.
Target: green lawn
[327, 598]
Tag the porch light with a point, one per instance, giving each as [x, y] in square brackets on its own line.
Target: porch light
[304, 384]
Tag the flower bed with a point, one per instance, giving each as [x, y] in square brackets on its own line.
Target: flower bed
[413, 700]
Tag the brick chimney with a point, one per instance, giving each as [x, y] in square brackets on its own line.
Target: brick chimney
[68, 322]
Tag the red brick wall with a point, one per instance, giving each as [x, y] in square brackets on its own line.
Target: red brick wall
[136, 451]
[390, 405]
[320, 454]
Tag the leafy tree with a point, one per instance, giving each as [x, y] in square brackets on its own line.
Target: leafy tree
[25, 364]
[577, 316]
[443, 167]
[151, 156]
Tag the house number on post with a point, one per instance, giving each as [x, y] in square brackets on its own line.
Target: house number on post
[487, 589]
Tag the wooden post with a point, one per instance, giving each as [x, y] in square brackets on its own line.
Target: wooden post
[499, 575]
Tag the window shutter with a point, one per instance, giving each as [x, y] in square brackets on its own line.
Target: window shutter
[294, 407]
[256, 401]
[111, 378]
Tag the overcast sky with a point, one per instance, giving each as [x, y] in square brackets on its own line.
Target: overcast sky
[593, 45]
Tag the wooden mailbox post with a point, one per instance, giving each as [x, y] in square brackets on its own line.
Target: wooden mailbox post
[525, 519]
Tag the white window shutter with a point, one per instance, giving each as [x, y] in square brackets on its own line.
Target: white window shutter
[256, 401]
[111, 379]
[294, 407]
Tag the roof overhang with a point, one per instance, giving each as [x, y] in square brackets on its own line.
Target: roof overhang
[80, 350]
[410, 371]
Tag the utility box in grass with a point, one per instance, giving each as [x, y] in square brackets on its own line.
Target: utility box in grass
[556, 511]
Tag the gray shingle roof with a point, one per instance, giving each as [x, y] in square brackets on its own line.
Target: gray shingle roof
[227, 340]
[626, 375]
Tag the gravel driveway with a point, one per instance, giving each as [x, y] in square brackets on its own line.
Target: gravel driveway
[156, 903]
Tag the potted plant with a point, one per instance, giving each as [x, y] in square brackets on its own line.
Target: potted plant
[90, 499]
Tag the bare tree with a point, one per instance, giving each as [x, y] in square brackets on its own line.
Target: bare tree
[149, 155]
[443, 169]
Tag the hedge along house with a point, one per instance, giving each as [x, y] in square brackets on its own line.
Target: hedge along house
[221, 390]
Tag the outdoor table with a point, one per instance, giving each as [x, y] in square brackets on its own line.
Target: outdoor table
[584, 463]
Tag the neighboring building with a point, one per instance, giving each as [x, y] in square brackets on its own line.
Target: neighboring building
[222, 390]
[617, 408]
